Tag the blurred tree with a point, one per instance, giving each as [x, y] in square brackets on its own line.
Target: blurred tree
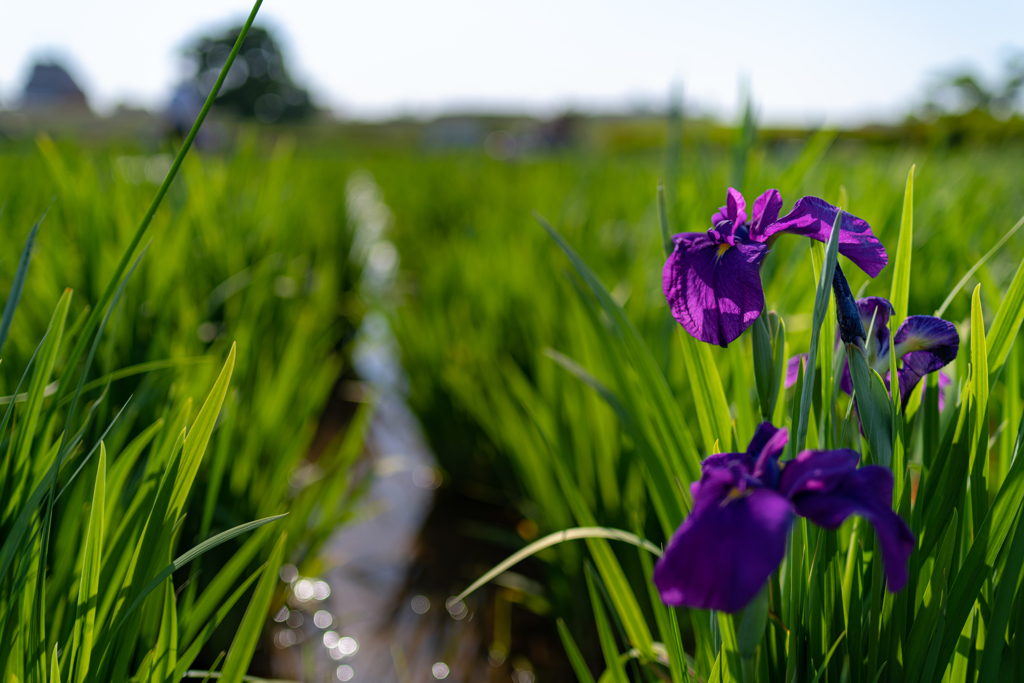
[258, 84]
[966, 93]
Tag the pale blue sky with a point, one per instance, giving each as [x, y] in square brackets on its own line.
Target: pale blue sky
[806, 61]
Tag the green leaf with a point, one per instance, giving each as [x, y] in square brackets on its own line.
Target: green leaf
[822, 296]
[666, 236]
[205, 546]
[609, 648]
[579, 666]
[19, 283]
[190, 653]
[668, 625]
[708, 396]
[967, 276]
[764, 365]
[670, 502]
[928, 621]
[165, 653]
[1003, 600]
[108, 292]
[198, 437]
[1006, 324]
[988, 542]
[576, 534]
[247, 636]
[54, 666]
[900, 294]
[89, 584]
[873, 405]
[751, 625]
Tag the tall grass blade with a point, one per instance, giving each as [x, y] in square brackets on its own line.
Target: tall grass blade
[19, 283]
[822, 296]
[89, 584]
[614, 670]
[554, 539]
[1006, 324]
[579, 665]
[900, 295]
[108, 292]
[244, 644]
[967, 276]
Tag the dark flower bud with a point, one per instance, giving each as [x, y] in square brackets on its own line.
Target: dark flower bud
[850, 326]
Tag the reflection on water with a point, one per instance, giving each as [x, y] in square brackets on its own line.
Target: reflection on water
[382, 611]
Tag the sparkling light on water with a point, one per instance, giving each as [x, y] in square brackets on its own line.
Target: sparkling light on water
[345, 673]
[420, 604]
[348, 645]
[304, 589]
[440, 670]
[323, 619]
[321, 590]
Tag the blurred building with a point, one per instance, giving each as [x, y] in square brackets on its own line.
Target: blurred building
[51, 87]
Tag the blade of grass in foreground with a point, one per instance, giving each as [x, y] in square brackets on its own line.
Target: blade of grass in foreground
[974, 268]
[553, 539]
[821, 300]
[901, 275]
[579, 665]
[244, 644]
[97, 311]
[1006, 324]
[19, 283]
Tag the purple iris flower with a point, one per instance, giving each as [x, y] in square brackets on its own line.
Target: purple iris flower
[923, 343]
[713, 280]
[744, 505]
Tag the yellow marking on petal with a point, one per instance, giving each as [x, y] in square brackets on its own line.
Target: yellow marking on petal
[734, 494]
[722, 248]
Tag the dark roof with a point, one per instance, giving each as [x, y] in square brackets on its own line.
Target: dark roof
[52, 86]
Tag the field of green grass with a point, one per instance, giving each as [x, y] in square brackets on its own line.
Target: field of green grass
[535, 393]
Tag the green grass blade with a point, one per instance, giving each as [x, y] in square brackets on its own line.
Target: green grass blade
[89, 584]
[821, 301]
[900, 295]
[576, 534]
[184, 559]
[198, 437]
[244, 644]
[54, 666]
[988, 542]
[967, 276]
[122, 265]
[19, 283]
[666, 234]
[614, 670]
[1002, 603]
[579, 666]
[165, 653]
[1006, 324]
[189, 655]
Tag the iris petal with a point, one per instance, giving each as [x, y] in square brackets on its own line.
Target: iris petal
[875, 313]
[734, 209]
[793, 368]
[925, 344]
[714, 294]
[766, 212]
[725, 551]
[813, 217]
[817, 471]
[866, 492]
